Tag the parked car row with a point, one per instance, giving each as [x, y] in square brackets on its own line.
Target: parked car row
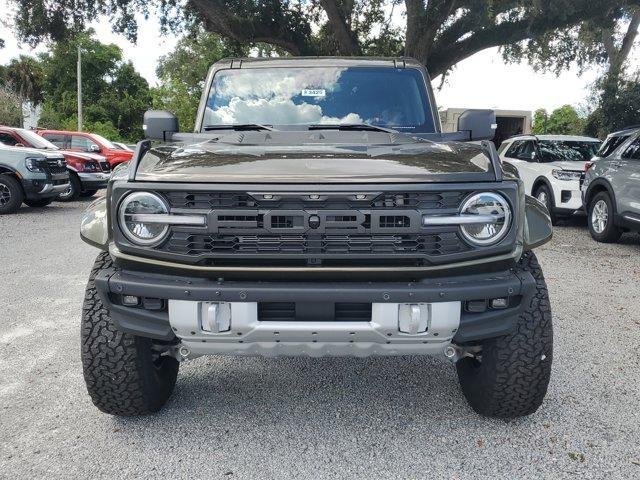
[571, 174]
[28, 174]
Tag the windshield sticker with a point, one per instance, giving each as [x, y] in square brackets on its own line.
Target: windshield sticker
[317, 92]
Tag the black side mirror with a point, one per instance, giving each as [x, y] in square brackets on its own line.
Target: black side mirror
[480, 124]
[159, 125]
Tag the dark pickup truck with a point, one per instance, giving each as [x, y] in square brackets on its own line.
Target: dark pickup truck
[317, 210]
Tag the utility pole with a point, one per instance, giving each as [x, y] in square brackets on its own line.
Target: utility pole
[79, 89]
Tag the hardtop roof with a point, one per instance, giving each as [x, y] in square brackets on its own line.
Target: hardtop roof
[389, 62]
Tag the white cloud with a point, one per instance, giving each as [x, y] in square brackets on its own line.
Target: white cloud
[277, 83]
[273, 111]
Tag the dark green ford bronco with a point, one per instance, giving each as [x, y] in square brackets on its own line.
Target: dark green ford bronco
[317, 210]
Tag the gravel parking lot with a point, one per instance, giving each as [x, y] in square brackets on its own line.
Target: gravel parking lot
[305, 418]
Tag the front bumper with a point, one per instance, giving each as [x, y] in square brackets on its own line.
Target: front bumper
[51, 185]
[568, 196]
[378, 336]
[94, 181]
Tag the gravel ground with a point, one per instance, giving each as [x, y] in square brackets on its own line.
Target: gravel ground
[303, 418]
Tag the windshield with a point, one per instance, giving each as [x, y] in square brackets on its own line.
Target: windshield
[567, 150]
[388, 97]
[104, 141]
[610, 144]
[36, 141]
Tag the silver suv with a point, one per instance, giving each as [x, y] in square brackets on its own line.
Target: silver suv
[30, 176]
[611, 188]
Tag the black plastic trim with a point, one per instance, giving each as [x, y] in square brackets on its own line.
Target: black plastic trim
[473, 326]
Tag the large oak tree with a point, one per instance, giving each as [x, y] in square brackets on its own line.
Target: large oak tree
[440, 33]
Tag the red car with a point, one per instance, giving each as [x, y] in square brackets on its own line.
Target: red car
[88, 143]
[88, 172]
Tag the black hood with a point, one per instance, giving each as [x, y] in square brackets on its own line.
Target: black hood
[316, 157]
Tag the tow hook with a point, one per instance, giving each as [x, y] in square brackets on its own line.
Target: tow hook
[451, 353]
[184, 353]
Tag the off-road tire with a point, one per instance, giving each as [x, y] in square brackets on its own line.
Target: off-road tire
[88, 193]
[119, 369]
[512, 376]
[611, 233]
[74, 191]
[10, 187]
[41, 202]
[549, 203]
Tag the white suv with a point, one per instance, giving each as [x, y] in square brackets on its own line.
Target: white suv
[551, 167]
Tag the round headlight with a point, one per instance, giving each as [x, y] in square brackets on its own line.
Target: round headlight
[136, 218]
[494, 218]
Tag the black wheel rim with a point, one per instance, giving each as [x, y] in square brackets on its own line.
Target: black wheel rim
[5, 195]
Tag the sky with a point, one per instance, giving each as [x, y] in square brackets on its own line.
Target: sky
[481, 81]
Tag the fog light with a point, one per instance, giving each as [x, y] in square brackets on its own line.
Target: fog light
[500, 303]
[130, 300]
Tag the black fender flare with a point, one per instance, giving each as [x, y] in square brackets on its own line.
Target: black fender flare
[11, 169]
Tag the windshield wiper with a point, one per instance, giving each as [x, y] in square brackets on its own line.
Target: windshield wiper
[352, 127]
[240, 127]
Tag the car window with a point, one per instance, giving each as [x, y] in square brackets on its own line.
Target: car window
[81, 143]
[503, 147]
[513, 149]
[58, 139]
[567, 150]
[7, 139]
[35, 140]
[522, 150]
[104, 141]
[611, 144]
[388, 97]
[633, 150]
[525, 152]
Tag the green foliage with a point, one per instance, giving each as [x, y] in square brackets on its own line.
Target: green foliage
[439, 33]
[565, 121]
[603, 40]
[112, 91]
[562, 121]
[26, 76]
[618, 106]
[10, 107]
[540, 119]
[183, 71]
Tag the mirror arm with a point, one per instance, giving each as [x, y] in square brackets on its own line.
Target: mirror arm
[495, 158]
[141, 148]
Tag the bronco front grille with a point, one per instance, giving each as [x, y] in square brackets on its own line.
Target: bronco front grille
[321, 245]
[382, 200]
[323, 228]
